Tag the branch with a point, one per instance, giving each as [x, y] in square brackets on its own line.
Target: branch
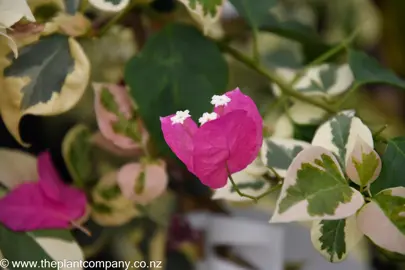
[285, 87]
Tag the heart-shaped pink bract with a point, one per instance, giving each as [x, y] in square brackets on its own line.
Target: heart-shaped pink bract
[227, 141]
[44, 204]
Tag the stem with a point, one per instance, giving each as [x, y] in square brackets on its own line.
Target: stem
[237, 189]
[285, 87]
[269, 191]
[81, 228]
[347, 96]
[256, 54]
[115, 19]
[378, 132]
[325, 56]
[278, 177]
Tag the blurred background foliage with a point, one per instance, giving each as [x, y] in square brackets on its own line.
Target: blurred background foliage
[322, 23]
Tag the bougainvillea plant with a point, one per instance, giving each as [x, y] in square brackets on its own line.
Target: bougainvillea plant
[170, 111]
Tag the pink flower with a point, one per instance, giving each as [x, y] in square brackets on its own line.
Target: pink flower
[44, 204]
[142, 183]
[106, 119]
[227, 141]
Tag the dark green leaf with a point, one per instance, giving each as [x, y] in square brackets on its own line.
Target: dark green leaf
[393, 169]
[46, 63]
[304, 132]
[177, 69]
[19, 246]
[255, 12]
[368, 70]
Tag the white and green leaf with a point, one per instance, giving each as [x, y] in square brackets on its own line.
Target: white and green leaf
[110, 207]
[17, 167]
[383, 220]
[327, 80]
[48, 78]
[283, 128]
[205, 12]
[247, 183]
[339, 135]
[278, 153]
[334, 239]
[77, 153]
[315, 188]
[305, 114]
[363, 164]
[13, 11]
[49, 245]
[110, 5]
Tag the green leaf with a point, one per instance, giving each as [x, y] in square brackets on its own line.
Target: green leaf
[44, 245]
[279, 153]
[368, 70]
[393, 169]
[339, 135]
[108, 101]
[18, 246]
[78, 155]
[46, 63]
[383, 220]
[315, 188]
[254, 11]
[363, 164]
[177, 69]
[334, 239]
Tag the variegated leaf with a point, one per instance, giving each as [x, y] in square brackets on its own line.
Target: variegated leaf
[278, 153]
[283, 128]
[247, 183]
[205, 12]
[48, 78]
[339, 135]
[363, 164]
[305, 114]
[315, 188]
[110, 5]
[334, 239]
[110, 207]
[325, 80]
[383, 220]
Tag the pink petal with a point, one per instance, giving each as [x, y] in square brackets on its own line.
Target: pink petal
[179, 137]
[226, 141]
[106, 119]
[56, 190]
[155, 181]
[239, 101]
[26, 208]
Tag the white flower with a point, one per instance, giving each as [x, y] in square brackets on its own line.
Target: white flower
[207, 117]
[180, 117]
[222, 100]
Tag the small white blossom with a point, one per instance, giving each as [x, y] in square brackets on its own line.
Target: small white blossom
[220, 100]
[180, 117]
[207, 117]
